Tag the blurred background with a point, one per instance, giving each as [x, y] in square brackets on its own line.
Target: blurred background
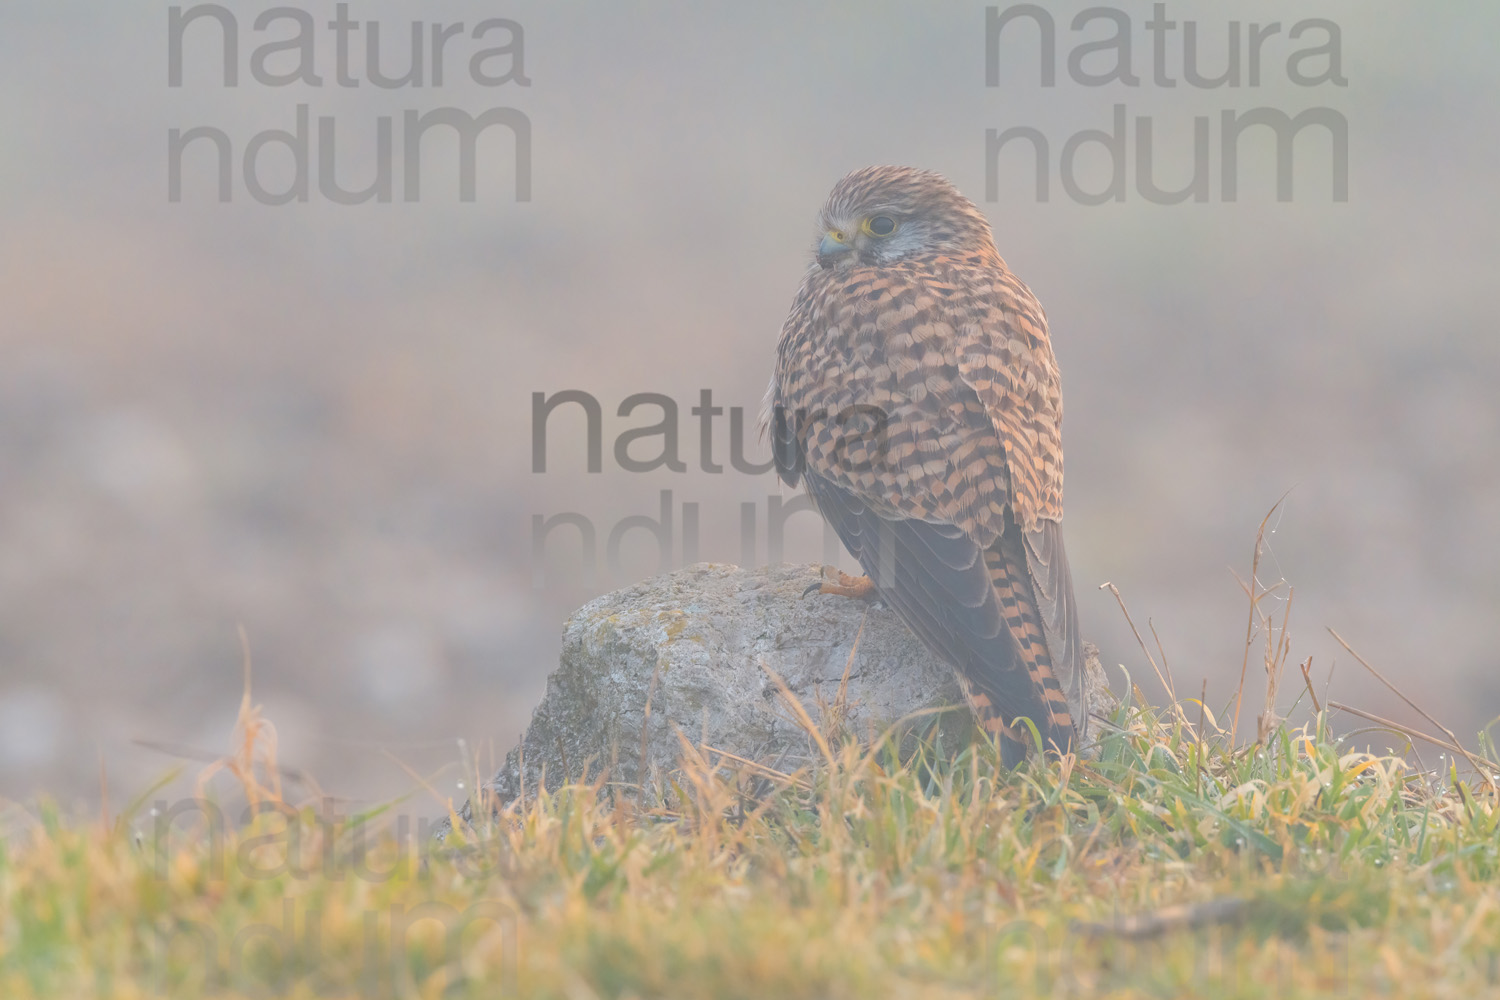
[314, 420]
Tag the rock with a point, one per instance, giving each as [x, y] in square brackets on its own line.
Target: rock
[701, 644]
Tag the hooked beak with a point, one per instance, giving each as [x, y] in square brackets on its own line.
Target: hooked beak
[829, 248]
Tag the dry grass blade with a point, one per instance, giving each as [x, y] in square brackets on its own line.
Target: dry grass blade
[1277, 651]
[1307, 679]
[1170, 918]
[1415, 734]
[1202, 710]
[1165, 666]
[287, 772]
[849, 663]
[713, 799]
[1166, 680]
[256, 744]
[446, 801]
[794, 779]
[803, 719]
[1456, 746]
[1260, 537]
[835, 714]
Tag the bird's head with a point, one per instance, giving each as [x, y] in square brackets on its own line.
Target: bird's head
[880, 215]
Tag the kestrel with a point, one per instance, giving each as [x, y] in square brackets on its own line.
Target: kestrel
[917, 398]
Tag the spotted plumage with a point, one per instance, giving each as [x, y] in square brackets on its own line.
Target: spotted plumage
[917, 399]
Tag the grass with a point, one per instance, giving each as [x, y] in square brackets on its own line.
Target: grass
[1172, 865]
[1175, 862]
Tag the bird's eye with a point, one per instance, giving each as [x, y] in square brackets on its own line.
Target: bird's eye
[880, 225]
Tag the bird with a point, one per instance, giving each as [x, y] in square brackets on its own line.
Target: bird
[916, 398]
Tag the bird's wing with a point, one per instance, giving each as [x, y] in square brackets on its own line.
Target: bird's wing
[1052, 586]
[1005, 356]
[905, 457]
[969, 605]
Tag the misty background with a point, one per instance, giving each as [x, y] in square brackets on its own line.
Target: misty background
[315, 420]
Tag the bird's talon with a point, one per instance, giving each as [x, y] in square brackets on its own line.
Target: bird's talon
[859, 588]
